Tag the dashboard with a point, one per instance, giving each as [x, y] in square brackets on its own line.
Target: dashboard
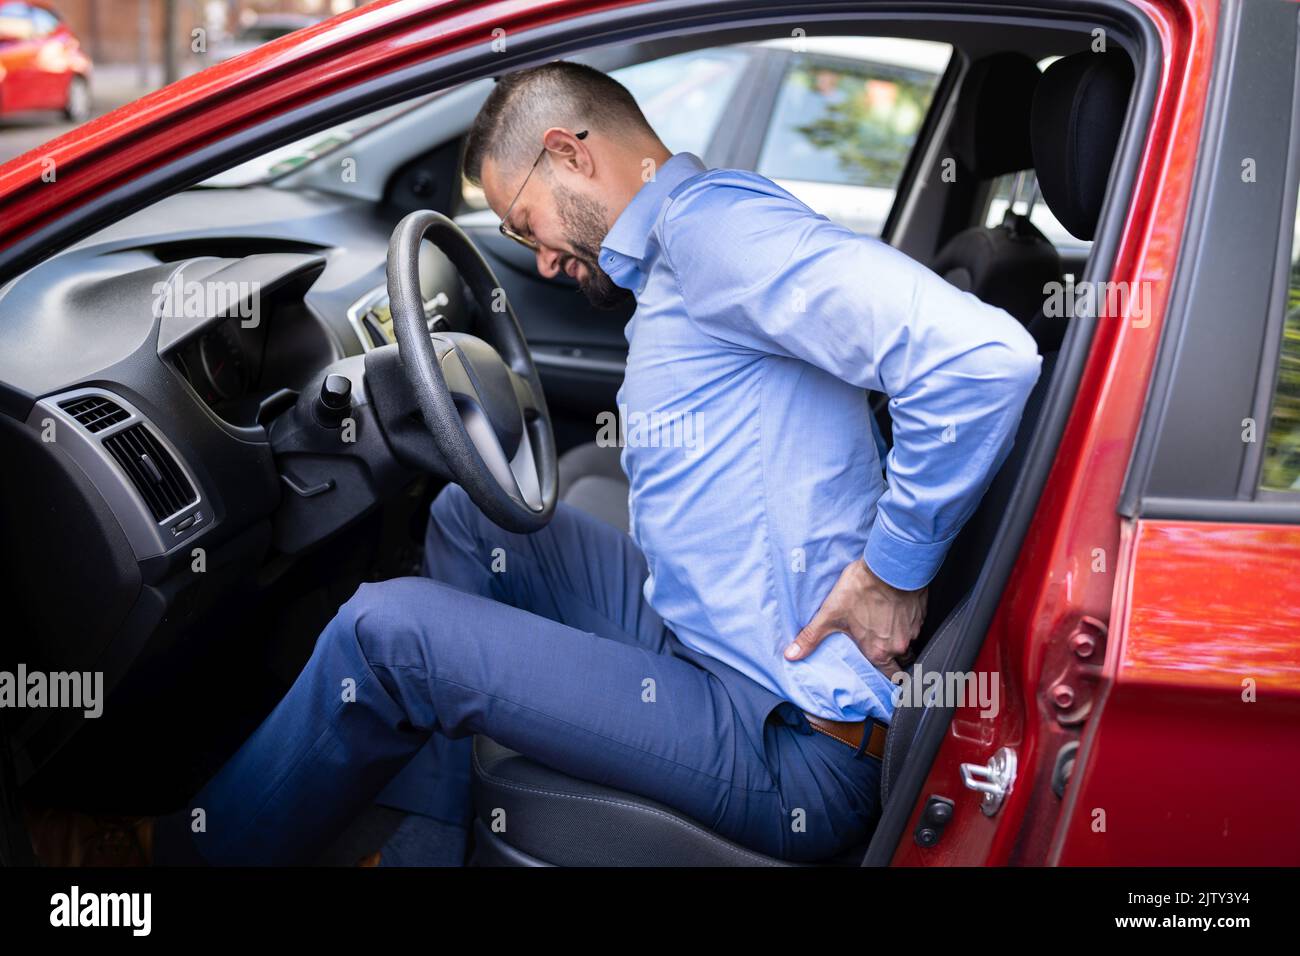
[152, 517]
[235, 365]
[134, 421]
[223, 365]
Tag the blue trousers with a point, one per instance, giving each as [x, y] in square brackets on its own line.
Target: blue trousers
[544, 643]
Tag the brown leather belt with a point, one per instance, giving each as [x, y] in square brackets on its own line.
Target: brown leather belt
[850, 734]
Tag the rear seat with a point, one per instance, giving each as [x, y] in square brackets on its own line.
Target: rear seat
[1008, 264]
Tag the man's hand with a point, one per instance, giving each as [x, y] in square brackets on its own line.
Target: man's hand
[882, 620]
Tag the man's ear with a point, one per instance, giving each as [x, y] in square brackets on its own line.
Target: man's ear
[570, 153]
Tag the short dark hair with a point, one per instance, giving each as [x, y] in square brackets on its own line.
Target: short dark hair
[525, 104]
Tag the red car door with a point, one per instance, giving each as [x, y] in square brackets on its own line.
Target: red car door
[1193, 758]
[1053, 638]
[1150, 631]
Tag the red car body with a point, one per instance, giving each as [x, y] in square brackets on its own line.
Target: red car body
[40, 59]
[1174, 625]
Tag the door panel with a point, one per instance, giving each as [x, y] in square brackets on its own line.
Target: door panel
[1208, 666]
[1054, 637]
[1190, 753]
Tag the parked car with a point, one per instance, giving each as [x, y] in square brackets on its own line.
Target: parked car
[42, 64]
[1128, 580]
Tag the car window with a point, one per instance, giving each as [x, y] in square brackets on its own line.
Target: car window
[299, 153]
[1039, 214]
[842, 128]
[15, 21]
[1281, 471]
[682, 97]
[45, 21]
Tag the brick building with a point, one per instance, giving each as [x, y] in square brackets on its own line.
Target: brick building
[131, 31]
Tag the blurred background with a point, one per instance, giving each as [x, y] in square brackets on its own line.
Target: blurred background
[65, 61]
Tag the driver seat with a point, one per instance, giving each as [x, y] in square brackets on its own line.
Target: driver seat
[559, 820]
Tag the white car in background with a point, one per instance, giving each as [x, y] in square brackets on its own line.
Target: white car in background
[877, 71]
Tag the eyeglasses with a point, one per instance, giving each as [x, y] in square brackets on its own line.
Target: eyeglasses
[505, 219]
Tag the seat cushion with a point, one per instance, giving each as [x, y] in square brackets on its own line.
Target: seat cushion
[565, 821]
[592, 479]
[601, 497]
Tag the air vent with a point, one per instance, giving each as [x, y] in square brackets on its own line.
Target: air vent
[152, 470]
[94, 412]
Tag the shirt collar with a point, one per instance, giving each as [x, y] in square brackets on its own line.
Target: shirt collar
[625, 243]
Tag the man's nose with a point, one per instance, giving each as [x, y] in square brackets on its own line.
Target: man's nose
[548, 262]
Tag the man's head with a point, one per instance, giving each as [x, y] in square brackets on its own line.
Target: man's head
[560, 150]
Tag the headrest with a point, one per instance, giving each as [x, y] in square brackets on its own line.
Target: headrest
[991, 129]
[1077, 117]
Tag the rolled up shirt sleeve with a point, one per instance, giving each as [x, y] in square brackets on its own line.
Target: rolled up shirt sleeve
[757, 271]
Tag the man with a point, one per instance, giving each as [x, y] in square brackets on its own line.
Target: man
[731, 657]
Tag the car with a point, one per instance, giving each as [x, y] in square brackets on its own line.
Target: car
[205, 278]
[42, 64]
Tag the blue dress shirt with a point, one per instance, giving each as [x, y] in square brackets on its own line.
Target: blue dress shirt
[746, 430]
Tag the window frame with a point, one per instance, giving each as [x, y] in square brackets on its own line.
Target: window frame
[1179, 470]
[735, 145]
[27, 13]
[53, 20]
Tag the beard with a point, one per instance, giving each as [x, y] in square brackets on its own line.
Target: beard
[584, 222]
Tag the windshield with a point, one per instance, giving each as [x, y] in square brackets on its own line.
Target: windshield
[286, 159]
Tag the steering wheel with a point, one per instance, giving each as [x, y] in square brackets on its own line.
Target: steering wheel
[482, 401]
